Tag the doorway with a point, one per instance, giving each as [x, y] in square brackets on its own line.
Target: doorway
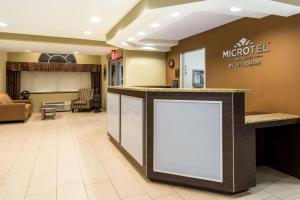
[193, 69]
[115, 70]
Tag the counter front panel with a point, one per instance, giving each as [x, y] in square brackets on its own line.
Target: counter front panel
[190, 138]
[179, 141]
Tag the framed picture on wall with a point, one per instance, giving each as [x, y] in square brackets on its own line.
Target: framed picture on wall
[198, 78]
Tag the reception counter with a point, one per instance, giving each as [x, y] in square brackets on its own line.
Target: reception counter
[188, 137]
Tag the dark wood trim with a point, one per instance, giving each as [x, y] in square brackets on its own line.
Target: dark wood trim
[133, 93]
[244, 147]
[52, 67]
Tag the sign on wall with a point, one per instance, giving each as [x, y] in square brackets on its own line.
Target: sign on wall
[246, 54]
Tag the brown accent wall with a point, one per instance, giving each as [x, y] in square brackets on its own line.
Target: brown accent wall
[275, 84]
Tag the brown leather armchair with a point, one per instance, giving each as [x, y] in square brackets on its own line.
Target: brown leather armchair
[17, 110]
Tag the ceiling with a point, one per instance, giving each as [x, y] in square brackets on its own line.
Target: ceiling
[63, 18]
[190, 19]
[163, 22]
[46, 47]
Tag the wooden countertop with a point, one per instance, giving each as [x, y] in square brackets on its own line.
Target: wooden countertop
[147, 89]
[273, 117]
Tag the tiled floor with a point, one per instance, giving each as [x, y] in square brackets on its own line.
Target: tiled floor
[70, 158]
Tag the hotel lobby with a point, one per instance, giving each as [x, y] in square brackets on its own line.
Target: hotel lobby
[149, 100]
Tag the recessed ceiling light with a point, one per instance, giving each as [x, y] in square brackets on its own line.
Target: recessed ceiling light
[125, 43]
[155, 25]
[149, 44]
[148, 48]
[141, 33]
[88, 33]
[27, 50]
[130, 39]
[175, 14]
[95, 19]
[2, 24]
[76, 52]
[235, 9]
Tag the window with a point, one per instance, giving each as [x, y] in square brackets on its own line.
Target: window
[57, 58]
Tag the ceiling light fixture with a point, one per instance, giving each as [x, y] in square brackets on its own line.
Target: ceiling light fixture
[88, 33]
[155, 25]
[175, 14]
[95, 19]
[76, 52]
[235, 9]
[2, 24]
[125, 43]
[130, 39]
[141, 33]
[148, 48]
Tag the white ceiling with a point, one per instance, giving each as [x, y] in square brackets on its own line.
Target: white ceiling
[193, 18]
[71, 18]
[42, 47]
[205, 21]
[63, 18]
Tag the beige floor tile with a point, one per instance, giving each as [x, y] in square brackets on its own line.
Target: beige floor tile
[171, 197]
[192, 194]
[257, 194]
[155, 190]
[75, 147]
[23, 165]
[42, 183]
[72, 191]
[45, 165]
[68, 174]
[15, 183]
[48, 151]
[291, 183]
[19, 196]
[93, 172]
[274, 198]
[125, 184]
[64, 159]
[46, 196]
[102, 191]
[142, 197]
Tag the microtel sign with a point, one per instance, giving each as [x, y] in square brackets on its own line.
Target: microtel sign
[245, 53]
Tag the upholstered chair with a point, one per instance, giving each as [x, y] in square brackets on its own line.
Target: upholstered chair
[84, 100]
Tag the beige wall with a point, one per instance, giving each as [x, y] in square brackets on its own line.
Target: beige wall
[37, 99]
[3, 58]
[144, 68]
[275, 84]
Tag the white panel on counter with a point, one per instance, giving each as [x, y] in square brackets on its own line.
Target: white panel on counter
[132, 126]
[188, 138]
[113, 115]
